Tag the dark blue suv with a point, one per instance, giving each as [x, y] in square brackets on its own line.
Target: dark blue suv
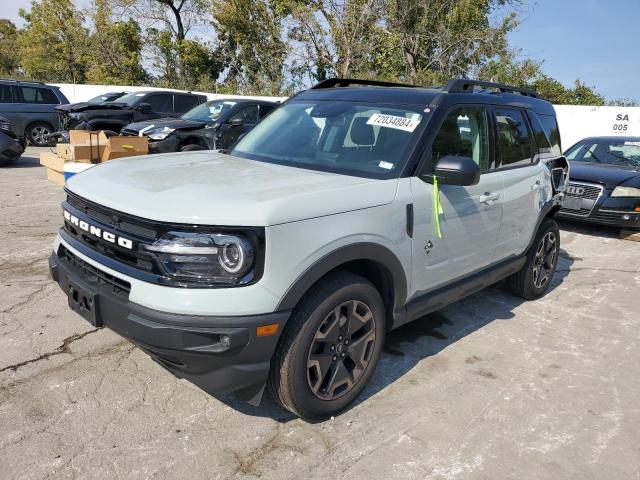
[30, 107]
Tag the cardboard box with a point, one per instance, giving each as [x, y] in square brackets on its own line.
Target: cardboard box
[80, 153]
[124, 146]
[55, 176]
[52, 161]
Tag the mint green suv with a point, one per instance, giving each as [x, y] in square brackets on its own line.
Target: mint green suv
[353, 208]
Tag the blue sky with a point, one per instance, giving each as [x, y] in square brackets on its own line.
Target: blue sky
[596, 41]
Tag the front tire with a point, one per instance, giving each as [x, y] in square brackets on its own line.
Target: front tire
[533, 280]
[330, 348]
[36, 134]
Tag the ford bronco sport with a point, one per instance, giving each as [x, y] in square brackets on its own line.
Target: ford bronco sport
[353, 208]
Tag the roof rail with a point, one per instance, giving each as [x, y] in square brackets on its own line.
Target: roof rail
[346, 82]
[21, 81]
[465, 85]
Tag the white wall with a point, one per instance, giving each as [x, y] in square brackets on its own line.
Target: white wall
[81, 93]
[576, 122]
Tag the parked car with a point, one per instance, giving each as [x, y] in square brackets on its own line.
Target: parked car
[11, 146]
[212, 125]
[132, 107]
[605, 182]
[352, 209]
[30, 107]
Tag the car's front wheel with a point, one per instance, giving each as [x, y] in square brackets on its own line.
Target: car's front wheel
[330, 347]
[533, 280]
[38, 134]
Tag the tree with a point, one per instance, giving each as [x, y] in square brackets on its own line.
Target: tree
[9, 59]
[54, 42]
[251, 34]
[118, 60]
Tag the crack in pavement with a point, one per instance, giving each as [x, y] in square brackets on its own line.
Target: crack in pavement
[64, 348]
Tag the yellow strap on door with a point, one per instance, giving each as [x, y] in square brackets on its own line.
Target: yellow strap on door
[437, 208]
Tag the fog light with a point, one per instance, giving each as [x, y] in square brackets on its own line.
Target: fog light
[626, 217]
[225, 341]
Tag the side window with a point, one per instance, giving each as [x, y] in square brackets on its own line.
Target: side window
[247, 116]
[539, 134]
[160, 102]
[38, 95]
[264, 110]
[6, 94]
[465, 133]
[184, 103]
[550, 125]
[514, 138]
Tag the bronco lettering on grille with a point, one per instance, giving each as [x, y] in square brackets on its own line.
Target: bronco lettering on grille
[98, 232]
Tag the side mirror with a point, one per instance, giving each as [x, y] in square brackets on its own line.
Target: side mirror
[144, 107]
[453, 170]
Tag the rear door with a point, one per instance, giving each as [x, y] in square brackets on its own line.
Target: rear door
[9, 106]
[471, 216]
[34, 104]
[524, 180]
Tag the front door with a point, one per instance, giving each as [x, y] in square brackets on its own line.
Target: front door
[471, 216]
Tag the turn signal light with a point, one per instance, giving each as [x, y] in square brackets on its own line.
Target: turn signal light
[637, 209]
[266, 330]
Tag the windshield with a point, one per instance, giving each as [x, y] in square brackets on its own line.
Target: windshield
[131, 98]
[107, 97]
[209, 112]
[621, 152]
[353, 138]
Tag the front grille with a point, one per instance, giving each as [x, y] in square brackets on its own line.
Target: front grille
[92, 274]
[120, 224]
[586, 191]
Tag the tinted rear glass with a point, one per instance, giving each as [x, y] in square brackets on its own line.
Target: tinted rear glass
[38, 95]
[6, 94]
[550, 125]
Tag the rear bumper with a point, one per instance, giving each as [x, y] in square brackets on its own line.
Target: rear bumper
[216, 353]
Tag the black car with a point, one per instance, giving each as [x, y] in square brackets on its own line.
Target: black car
[212, 125]
[605, 181]
[11, 146]
[31, 108]
[132, 107]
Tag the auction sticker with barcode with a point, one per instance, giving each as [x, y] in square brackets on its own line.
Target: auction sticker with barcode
[391, 121]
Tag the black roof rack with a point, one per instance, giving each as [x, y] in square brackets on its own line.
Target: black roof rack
[20, 81]
[464, 85]
[346, 82]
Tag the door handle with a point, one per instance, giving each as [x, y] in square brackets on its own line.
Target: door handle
[488, 198]
[537, 186]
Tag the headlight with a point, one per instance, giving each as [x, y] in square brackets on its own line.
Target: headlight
[160, 133]
[625, 192]
[6, 126]
[75, 115]
[205, 257]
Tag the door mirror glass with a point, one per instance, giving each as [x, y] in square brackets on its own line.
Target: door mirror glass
[236, 121]
[455, 170]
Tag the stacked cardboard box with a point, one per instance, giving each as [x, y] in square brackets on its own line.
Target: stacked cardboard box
[86, 149]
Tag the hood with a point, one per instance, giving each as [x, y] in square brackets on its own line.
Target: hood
[212, 188]
[609, 175]
[175, 123]
[83, 106]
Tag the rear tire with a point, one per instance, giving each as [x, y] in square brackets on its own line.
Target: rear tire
[35, 133]
[330, 347]
[533, 280]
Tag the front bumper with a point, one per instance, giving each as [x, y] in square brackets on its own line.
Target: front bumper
[607, 210]
[191, 347]
[10, 148]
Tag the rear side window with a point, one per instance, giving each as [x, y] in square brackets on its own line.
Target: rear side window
[184, 103]
[514, 138]
[465, 133]
[539, 134]
[38, 95]
[6, 94]
[264, 109]
[550, 125]
[160, 102]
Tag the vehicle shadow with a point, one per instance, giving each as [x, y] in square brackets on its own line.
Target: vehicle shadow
[408, 345]
[26, 161]
[593, 230]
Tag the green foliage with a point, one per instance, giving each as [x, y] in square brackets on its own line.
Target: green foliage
[9, 59]
[53, 44]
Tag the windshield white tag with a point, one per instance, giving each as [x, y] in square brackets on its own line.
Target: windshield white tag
[632, 144]
[385, 165]
[391, 121]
